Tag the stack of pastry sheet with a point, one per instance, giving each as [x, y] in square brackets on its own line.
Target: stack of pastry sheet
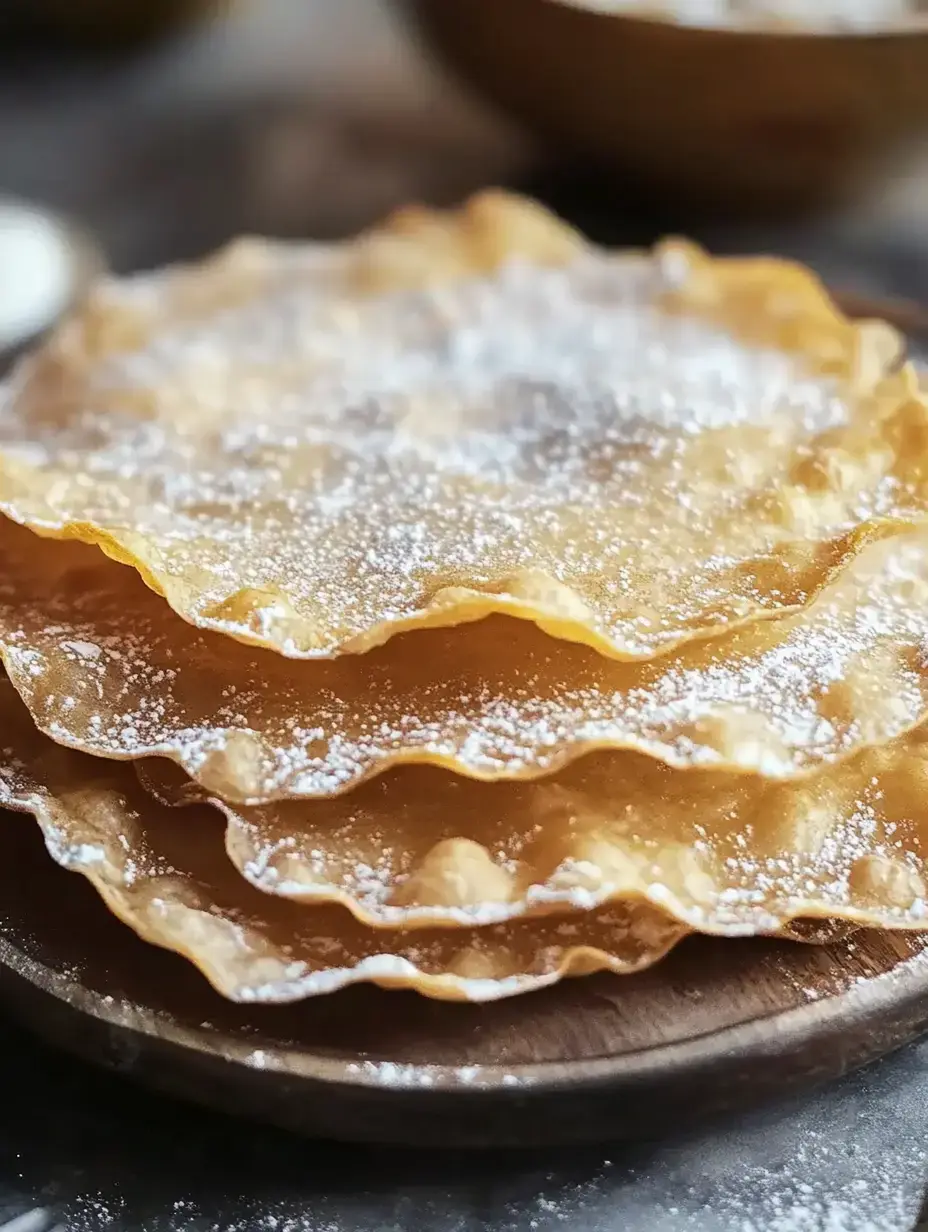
[465, 606]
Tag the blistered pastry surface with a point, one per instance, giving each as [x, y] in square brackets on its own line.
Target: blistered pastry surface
[313, 448]
[724, 853]
[165, 874]
[106, 667]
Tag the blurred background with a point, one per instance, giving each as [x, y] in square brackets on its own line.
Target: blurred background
[155, 130]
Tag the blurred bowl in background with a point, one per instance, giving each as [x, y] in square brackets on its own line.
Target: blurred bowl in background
[737, 121]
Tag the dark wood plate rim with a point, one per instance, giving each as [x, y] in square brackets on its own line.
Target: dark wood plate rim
[901, 989]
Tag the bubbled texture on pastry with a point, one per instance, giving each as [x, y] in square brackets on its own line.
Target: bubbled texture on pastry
[106, 667]
[165, 874]
[723, 853]
[313, 448]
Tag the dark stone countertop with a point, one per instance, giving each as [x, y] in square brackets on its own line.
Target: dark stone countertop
[81, 1151]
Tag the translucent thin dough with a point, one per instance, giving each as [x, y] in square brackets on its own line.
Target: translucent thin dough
[313, 448]
[725, 854]
[164, 873]
[106, 667]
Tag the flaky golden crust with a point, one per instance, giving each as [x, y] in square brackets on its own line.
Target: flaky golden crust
[313, 448]
[164, 873]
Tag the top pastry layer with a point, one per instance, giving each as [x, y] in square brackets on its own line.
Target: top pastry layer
[312, 448]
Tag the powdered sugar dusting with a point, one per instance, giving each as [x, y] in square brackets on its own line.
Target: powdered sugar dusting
[165, 874]
[725, 854]
[302, 465]
[494, 699]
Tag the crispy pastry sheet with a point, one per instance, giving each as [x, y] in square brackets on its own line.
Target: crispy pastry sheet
[724, 853]
[311, 448]
[107, 668]
[165, 874]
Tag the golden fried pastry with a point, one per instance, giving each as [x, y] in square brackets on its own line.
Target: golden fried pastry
[164, 873]
[106, 667]
[311, 448]
[723, 853]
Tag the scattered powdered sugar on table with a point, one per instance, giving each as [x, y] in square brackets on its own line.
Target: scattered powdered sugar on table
[852, 1159]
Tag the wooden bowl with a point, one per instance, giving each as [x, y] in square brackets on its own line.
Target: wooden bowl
[739, 121]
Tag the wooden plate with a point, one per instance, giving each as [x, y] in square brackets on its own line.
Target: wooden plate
[717, 1025]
